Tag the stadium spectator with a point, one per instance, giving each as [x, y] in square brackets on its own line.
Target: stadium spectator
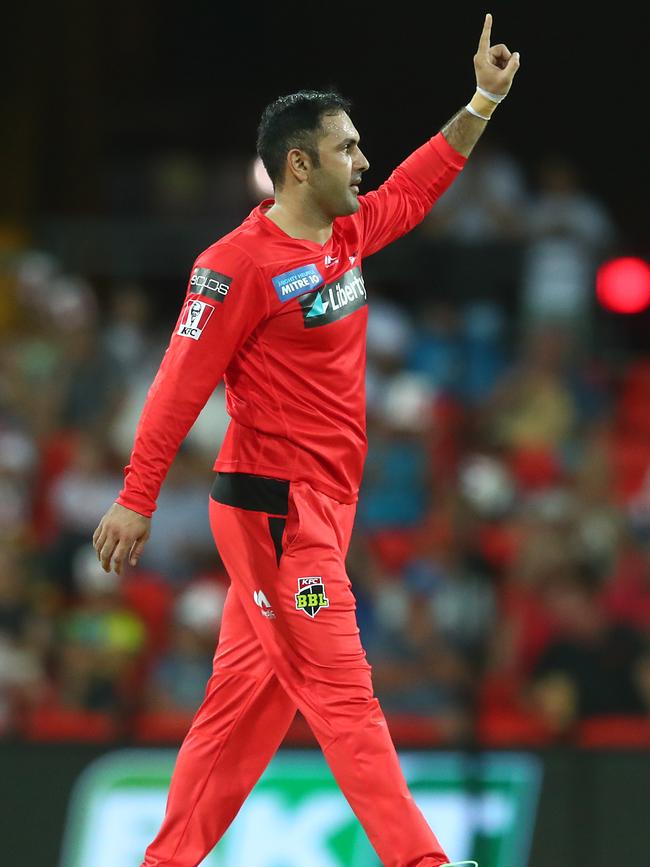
[532, 405]
[590, 666]
[101, 641]
[396, 481]
[569, 232]
[181, 534]
[74, 498]
[485, 204]
[181, 673]
[23, 641]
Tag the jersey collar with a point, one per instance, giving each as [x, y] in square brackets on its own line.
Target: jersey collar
[259, 213]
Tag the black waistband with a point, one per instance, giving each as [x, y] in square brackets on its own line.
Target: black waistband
[255, 493]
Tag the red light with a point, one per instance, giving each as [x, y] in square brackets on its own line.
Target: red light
[623, 285]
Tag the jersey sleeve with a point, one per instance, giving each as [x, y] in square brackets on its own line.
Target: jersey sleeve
[403, 200]
[224, 304]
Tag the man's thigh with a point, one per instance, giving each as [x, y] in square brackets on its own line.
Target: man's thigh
[296, 593]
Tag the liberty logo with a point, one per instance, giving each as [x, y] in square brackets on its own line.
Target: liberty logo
[335, 300]
[311, 597]
[194, 318]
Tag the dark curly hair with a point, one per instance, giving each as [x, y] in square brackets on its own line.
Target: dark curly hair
[294, 121]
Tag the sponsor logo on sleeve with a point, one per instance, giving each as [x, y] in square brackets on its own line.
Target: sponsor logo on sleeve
[335, 300]
[263, 603]
[212, 284]
[194, 318]
[311, 596]
[297, 282]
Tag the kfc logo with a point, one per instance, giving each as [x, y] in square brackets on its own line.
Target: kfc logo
[194, 318]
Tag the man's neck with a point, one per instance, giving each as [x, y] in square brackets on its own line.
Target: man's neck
[300, 222]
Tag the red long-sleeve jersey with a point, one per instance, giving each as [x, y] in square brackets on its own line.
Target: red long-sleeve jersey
[283, 321]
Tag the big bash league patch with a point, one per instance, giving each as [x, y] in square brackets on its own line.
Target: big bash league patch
[311, 597]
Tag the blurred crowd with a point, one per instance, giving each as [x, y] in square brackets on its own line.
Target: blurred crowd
[501, 556]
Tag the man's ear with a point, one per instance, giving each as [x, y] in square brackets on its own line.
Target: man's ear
[298, 164]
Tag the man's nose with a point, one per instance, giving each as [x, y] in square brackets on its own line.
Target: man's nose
[363, 164]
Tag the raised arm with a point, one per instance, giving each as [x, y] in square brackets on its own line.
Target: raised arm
[495, 67]
[402, 201]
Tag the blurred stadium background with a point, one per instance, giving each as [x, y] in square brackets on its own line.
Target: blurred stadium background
[501, 559]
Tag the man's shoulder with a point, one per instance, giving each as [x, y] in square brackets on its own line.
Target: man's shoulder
[245, 246]
[347, 229]
[252, 248]
[236, 247]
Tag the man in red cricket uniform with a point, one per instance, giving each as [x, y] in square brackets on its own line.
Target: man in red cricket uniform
[278, 308]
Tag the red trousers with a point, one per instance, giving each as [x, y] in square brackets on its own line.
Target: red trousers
[289, 639]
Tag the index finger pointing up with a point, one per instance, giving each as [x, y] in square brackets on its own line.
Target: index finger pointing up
[484, 41]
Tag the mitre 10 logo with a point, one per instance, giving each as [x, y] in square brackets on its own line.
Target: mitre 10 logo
[311, 596]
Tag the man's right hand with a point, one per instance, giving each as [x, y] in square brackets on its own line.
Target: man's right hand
[121, 533]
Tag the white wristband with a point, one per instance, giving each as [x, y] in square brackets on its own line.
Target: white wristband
[473, 111]
[493, 97]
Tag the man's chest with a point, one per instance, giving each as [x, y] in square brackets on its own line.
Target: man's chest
[319, 303]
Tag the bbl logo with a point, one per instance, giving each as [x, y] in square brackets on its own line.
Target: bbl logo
[311, 597]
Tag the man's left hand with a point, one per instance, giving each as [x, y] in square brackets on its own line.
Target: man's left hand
[495, 65]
